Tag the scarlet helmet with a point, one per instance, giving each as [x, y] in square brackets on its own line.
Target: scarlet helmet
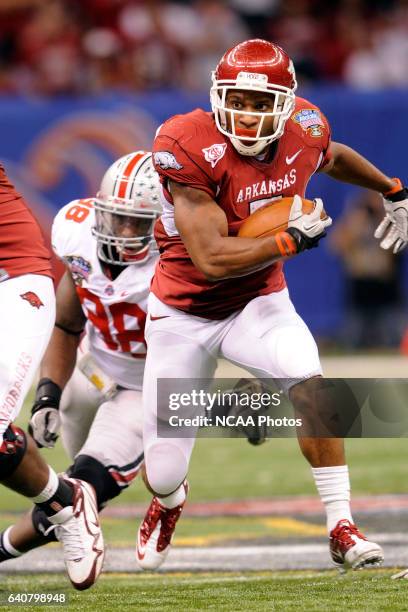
[126, 207]
[255, 65]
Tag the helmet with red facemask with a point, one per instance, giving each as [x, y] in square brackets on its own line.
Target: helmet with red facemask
[126, 207]
[257, 66]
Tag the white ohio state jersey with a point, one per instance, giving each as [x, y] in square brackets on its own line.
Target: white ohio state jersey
[115, 309]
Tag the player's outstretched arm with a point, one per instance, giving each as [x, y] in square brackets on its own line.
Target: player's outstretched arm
[204, 229]
[349, 166]
[57, 364]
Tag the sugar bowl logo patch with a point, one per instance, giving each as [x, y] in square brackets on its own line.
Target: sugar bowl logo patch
[166, 160]
[214, 153]
[309, 120]
[80, 268]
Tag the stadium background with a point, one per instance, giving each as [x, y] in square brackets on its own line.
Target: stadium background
[85, 81]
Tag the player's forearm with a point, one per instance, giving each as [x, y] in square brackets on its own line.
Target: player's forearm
[59, 360]
[351, 167]
[232, 257]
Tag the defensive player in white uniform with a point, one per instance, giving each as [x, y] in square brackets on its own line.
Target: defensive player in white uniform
[92, 389]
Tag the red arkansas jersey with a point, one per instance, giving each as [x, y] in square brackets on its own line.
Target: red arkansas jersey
[190, 150]
[22, 248]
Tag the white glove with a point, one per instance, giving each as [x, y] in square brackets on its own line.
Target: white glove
[310, 225]
[44, 426]
[307, 229]
[393, 229]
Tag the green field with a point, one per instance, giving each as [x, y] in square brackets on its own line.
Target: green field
[281, 591]
[276, 468]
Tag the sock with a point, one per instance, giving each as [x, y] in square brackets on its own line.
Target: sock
[174, 499]
[333, 485]
[56, 495]
[7, 550]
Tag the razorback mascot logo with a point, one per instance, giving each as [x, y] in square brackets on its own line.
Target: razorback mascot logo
[32, 298]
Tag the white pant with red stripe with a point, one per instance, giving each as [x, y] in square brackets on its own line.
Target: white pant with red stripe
[27, 315]
[267, 338]
[110, 431]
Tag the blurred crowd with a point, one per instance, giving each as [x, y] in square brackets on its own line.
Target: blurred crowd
[57, 47]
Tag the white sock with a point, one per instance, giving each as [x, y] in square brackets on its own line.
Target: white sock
[49, 490]
[174, 499]
[8, 547]
[333, 485]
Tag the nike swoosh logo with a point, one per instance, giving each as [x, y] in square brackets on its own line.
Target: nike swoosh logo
[152, 318]
[290, 160]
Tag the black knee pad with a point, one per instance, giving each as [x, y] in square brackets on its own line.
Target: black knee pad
[89, 469]
[12, 450]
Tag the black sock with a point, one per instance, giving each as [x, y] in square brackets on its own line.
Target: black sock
[4, 553]
[62, 497]
[41, 524]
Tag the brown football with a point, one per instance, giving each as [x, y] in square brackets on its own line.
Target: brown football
[272, 218]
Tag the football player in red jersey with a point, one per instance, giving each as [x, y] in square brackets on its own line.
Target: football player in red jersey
[218, 295]
[27, 312]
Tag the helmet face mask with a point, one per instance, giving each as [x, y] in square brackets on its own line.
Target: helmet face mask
[124, 223]
[253, 66]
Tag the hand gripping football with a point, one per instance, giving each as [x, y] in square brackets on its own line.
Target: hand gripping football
[273, 218]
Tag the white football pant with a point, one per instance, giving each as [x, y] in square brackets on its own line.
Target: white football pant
[268, 338]
[27, 316]
[110, 431]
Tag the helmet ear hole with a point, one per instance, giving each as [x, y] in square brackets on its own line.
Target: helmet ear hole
[126, 207]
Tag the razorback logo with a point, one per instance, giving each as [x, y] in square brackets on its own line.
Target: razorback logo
[214, 153]
[166, 160]
[32, 298]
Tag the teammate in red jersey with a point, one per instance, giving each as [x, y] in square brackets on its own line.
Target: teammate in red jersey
[27, 312]
[217, 295]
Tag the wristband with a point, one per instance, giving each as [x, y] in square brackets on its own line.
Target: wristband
[286, 244]
[398, 186]
[48, 394]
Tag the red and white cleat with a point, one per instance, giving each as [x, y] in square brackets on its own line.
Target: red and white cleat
[77, 528]
[350, 549]
[156, 533]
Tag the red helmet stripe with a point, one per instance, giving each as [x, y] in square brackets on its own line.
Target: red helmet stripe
[124, 181]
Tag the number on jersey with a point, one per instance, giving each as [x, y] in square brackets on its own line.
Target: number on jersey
[127, 322]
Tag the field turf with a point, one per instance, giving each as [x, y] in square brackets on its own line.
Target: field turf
[281, 591]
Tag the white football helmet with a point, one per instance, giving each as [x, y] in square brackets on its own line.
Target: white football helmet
[126, 207]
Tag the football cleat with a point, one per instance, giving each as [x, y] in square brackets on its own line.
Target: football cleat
[156, 533]
[77, 528]
[350, 549]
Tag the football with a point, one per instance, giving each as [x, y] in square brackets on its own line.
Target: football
[272, 218]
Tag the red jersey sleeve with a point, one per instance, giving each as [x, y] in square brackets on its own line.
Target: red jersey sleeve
[177, 155]
[325, 143]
